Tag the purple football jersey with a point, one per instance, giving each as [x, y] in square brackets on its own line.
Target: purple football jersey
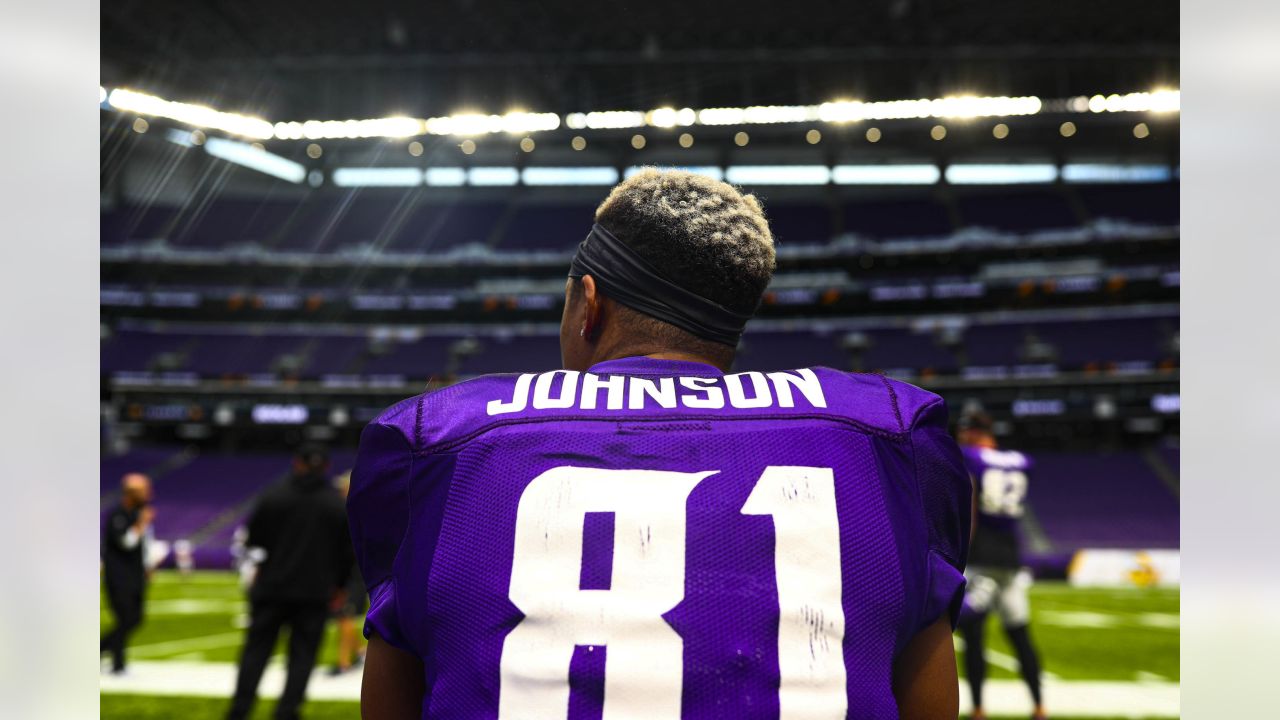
[655, 539]
[1000, 481]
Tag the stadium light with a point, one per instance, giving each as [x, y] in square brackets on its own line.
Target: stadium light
[493, 176]
[885, 174]
[757, 115]
[1101, 173]
[612, 119]
[195, 115]
[388, 127]
[520, 122]
[446, 177]
[569, 176]
[246, 155]
[670, 117]
[962, 107]
[468, 124]
[377, 177]
[1159, 101]
[179, 137]
[778, 175]
[1015, 174]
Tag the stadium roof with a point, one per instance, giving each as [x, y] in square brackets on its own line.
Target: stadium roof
[327, 59]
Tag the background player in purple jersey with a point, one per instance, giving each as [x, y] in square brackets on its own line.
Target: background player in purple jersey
[643, 535]
[997, 578]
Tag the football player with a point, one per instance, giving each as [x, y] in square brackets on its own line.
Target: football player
[997, 578]
[645, 534]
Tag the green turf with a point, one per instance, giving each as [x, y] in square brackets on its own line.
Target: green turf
[1083, 634]
[152, 707]
[1100, 634]
[149, 707]
[200, 617]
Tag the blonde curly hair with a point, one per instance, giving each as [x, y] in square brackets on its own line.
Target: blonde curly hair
[701, 234]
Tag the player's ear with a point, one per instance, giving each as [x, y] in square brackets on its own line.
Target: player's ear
[592, 307]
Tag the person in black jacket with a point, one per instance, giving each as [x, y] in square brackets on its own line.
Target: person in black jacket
[123, 563]
[299, 529]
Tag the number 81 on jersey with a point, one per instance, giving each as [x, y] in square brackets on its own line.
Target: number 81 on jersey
[644, 673]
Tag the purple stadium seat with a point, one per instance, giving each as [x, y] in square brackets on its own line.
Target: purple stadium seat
[216, 354]
[547, 227]
[916, 215]
[143, 460]
[333, 355]
[135, 350]
[905, 348]
[1016, 210]
[1102, 500]
[420, 359]
[800, 224]
[786, 350]
[987, 345]
[1156, 203]
[533, 353]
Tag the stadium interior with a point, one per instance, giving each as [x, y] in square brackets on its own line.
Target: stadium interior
[984, 204]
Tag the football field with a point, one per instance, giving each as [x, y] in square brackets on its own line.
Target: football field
[1106, 653]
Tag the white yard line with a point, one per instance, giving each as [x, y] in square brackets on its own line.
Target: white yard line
[204, 642]
[201, 679]
[1101, 620]
[1001, 660]
[191, 606]
[1080, 698]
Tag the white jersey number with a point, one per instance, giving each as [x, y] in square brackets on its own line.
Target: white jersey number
[1003, 492]
[644, 674]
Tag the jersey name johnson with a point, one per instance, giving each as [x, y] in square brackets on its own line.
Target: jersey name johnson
[570, 389]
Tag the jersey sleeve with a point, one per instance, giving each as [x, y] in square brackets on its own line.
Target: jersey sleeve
[946, 497]
[378, 516]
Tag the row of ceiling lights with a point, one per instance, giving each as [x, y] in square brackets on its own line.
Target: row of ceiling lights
[999, 131]
[521, 123]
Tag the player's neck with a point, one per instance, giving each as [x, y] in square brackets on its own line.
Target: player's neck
[686, 357]
[656, 352]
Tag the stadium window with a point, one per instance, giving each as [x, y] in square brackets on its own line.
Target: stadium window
[885, 174]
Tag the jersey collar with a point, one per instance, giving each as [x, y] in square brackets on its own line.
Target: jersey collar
[652, 366]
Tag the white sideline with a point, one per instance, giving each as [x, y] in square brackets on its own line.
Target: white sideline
[207, 679]
[1082, 698]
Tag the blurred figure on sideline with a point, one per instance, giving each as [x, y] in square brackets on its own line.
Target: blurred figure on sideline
[184, 556]
[997, 579]
[298, 530]
[354, 604]
[124, 563]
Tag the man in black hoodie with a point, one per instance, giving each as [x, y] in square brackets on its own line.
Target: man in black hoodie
[124, 567]
[299, 530]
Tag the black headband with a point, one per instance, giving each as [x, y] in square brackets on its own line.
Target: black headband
[631, 280]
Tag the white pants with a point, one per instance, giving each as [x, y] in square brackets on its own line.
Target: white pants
[1001, 589]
